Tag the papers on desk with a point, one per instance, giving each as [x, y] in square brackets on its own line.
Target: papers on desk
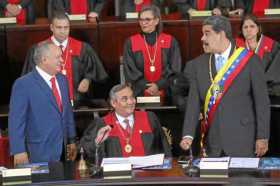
[136, 161]
[2, 168]
[247, 163]
[270, 163]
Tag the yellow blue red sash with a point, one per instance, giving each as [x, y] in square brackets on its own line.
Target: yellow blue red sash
[223, 81]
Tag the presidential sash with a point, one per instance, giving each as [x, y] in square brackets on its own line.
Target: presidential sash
[221, 84]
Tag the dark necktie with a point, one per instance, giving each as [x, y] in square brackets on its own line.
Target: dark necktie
[56, 94]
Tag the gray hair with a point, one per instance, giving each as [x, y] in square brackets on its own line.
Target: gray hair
[156, 13]
[219, 23]
[117, 88]
[41, 50]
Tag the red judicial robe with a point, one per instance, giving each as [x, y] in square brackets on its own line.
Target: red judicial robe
[137, 66]
[81, 62]
[27, 14]
[147, 137]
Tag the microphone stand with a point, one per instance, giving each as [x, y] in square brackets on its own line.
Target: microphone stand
[96, 169]
[191, 170]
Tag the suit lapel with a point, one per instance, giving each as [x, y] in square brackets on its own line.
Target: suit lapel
[63, 91]
[45, 88]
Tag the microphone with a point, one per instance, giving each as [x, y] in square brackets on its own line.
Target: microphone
[191, 170]
[102, 135]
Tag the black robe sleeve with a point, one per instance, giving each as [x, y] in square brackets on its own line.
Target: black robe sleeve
[184, 5]
[55, 5]
[93, 68]
[134, 67]
[29, 63]
[96, 6]
[159, 143]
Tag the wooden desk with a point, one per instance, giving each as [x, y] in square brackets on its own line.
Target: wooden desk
[67, 174]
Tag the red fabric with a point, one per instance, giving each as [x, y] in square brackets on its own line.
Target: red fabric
[259, 6]
[79, 6]
[5, 158]
[141, 126]
[56, 94]
[139, 6]
[21, 17]
[240, 42]
[265, 45]
[138, 44]
[201, 4]
[73, 48]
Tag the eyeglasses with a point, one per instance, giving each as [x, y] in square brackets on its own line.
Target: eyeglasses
[145, 19]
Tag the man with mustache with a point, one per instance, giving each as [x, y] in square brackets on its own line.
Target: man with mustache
[41, 124]
[125, 131]
[228, 83]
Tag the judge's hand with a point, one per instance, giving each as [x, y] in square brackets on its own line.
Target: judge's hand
[191, 10]
[92, 16]
[236, 13]
[153, 89]
[83, 86]
[13, 9]
[102, 134]
[71, 151]
[21, 158]
[138, 2]
[261, 147]
[186, 143]
[216, 11]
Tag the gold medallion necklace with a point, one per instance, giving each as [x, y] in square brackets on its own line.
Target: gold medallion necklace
[152, 60]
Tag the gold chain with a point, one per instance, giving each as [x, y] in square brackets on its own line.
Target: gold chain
[152, 61]
[210, 69]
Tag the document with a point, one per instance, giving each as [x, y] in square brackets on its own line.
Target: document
[136, 161]
[249, 163]
[214, 163]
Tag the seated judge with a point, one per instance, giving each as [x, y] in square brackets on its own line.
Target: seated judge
[125, 131]
[257, 7]
[232, 8]
[188, 6]
[151, 58]
[135, 5]
[23, 10]
[80, 65]
[92, 8]
[267, 49]
[41, 124]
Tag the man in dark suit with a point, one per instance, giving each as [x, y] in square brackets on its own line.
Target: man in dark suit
[229, 84]
[127, 132]
[41, 124]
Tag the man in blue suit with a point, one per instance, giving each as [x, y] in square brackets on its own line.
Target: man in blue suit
[41, 124]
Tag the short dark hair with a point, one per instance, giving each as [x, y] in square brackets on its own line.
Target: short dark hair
[254, 19]
[156, 13]
[60, 15]
[219, 23]
[117, 88]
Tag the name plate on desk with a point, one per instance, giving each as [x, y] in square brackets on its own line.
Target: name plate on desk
[199, 14]
[274, 11]
[131, 15]
[77, 17]
[8, 20]
[214, 167]
[147, 99]
[117, 171]
[16, 176]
